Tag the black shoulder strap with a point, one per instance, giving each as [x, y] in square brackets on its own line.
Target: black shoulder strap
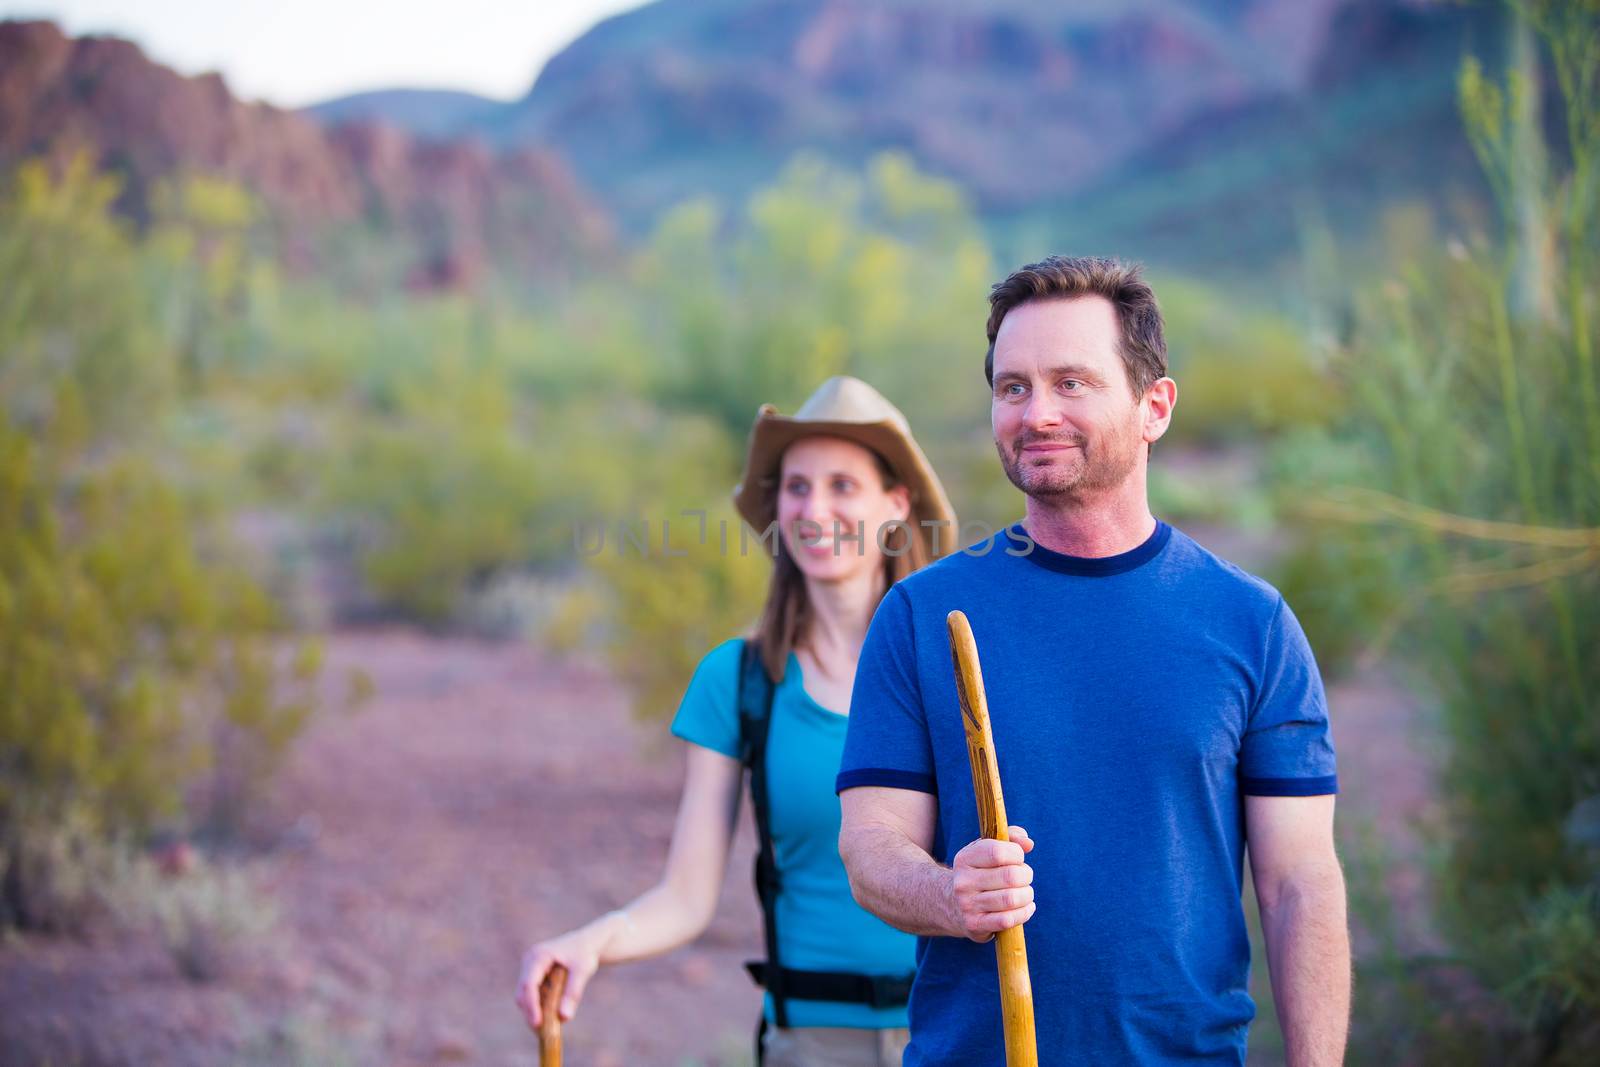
[755, 716]
[785, 983]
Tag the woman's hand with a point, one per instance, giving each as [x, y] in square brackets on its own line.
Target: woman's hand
[671, 913]
[578, 952]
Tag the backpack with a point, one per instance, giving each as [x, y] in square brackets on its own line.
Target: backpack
[786, 983]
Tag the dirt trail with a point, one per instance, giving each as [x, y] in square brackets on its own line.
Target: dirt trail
[489, 793]
[488, 796]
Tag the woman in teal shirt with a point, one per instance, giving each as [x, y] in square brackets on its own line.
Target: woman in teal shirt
[857, 507]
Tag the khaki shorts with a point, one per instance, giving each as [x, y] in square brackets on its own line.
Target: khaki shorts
[828, 1046]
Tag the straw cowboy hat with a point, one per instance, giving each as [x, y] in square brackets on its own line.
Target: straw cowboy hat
[849, 408]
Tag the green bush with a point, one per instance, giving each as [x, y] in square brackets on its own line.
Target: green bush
[1471, 518]
[882, 275]
[138, 654]
[134, 664]
[1242, 371]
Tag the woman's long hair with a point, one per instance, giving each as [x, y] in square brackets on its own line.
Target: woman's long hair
[786, 617]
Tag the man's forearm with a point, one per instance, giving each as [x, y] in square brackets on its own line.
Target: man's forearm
[1308, 950]
[898, 881]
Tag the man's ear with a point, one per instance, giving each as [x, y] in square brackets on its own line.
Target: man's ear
[1158, 404]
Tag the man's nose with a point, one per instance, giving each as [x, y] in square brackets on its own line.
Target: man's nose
[1042, 411]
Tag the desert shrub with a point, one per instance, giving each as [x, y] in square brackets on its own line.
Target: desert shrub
[663, 612]
[447, 444]
[1474, 411]
[668, 569]
[55, 867]
[882, 274]
[1243, 371]
[132, 640]
[129, 655]
[208, 916]
[208, 921]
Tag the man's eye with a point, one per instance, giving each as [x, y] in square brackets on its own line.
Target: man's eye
[1014, 389]
[1071, 384]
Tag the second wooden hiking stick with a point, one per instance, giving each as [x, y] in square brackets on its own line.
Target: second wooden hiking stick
[550, 990]
[1016, 991]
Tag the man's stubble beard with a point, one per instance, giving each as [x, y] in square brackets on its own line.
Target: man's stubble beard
[1101, 466]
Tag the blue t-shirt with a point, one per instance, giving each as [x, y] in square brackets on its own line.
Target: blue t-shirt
[1135, 700]
[820, 926]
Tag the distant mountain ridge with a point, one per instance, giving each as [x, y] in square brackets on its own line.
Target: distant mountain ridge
[971, 91]
[1031, 106]
[460, 204]
[1188, 133]
[1375, 122]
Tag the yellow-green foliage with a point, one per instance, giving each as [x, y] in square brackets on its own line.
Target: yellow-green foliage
[96, 652]
[1466, 478]
[131, 661]
[465, 442]
[80, 355]
[457, 439]
[449, 479]
[665, 611]
[137, 654]
[666, 575]
[884, 276]
[1241, 371]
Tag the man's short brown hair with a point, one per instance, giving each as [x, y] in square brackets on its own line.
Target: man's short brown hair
[1143, 347]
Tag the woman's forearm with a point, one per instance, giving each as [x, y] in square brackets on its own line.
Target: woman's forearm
[679, 907]
[658, 920]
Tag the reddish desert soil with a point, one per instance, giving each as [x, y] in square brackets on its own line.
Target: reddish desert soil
[487, 794]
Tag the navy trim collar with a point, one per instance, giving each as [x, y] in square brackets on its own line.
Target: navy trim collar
[1088, 566]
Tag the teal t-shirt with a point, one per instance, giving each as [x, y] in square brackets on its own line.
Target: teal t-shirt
[820, 926]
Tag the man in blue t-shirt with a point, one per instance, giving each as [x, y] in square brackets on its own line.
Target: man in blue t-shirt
[1154, 708]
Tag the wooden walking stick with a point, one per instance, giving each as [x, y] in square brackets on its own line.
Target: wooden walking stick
[550, 990]
[1016, 991]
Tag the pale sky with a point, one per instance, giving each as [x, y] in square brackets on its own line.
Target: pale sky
[297, 52]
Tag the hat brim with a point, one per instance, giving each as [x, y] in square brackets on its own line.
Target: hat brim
[755, 496]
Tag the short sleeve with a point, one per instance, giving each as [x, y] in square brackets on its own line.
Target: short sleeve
[708, 715]
[1287, 750]
[886, 743]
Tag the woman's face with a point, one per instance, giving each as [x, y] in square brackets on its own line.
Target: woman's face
[831, 505]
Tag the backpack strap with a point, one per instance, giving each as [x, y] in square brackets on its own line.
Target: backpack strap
[755, 716]
[783, 983]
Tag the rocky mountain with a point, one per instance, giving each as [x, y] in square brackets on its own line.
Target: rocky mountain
[1372, 122]
[456, 205]
[1182, 131]
[1140, 122]
[1017, 99]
